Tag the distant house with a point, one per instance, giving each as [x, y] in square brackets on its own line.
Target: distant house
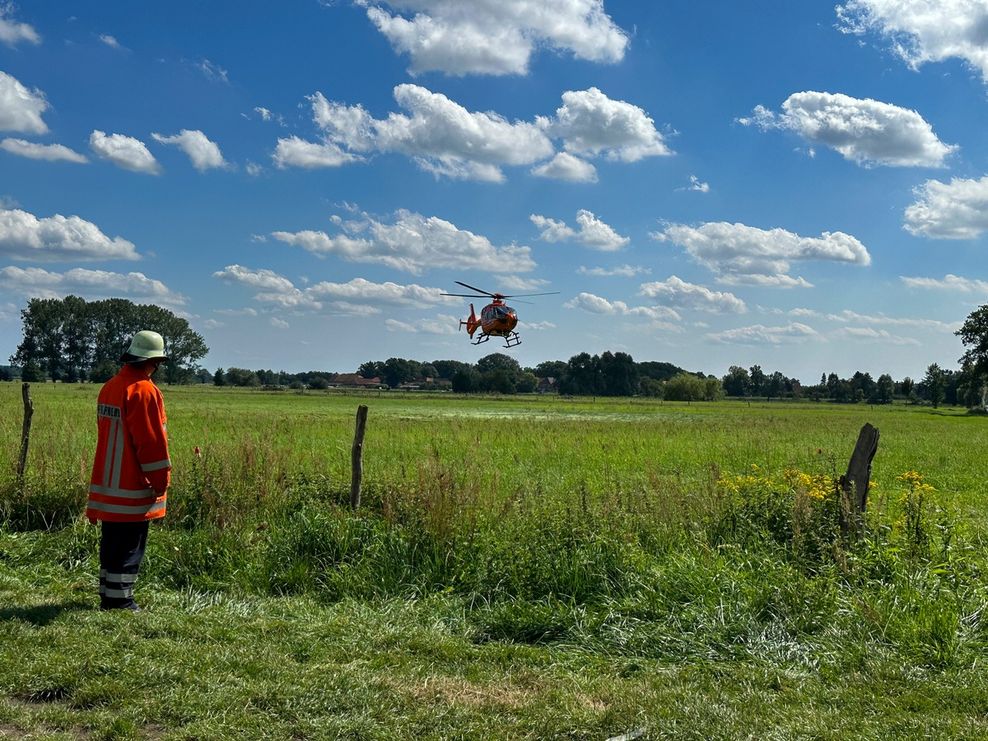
[355, 380]
[547, 385]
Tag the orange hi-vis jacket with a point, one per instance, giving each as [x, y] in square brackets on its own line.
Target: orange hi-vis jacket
[132, 471]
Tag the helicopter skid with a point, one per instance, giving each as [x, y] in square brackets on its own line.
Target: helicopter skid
[510, 340]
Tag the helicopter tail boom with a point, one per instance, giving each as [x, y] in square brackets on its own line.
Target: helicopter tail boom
[471, 323]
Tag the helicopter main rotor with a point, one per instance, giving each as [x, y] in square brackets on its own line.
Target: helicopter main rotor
[481, 293]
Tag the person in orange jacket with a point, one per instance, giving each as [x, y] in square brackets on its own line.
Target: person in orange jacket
[131, 471]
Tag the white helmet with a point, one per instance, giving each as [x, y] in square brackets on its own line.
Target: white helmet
[145, 346]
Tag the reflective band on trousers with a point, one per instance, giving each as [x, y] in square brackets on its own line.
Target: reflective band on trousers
[122, 593]
[120, 578]
[127, 509]
[156, 466]
[123, 493]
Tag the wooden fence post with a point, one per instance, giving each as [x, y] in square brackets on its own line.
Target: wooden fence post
[356, 457]
[25, 431]
[854, 483]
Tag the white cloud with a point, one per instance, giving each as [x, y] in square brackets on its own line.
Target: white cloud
[847, 316]
[922, 31]
[212, 324]
[237, 312]
[358, 296]
[279, 323]
[677, 292]
[517, 283]
[110, 41]
[590, 123]
[296, 152]
[87, 283]
[592, 232]
[253, 169]
[872, 335]
[698, 186]
[949, 282]
[865, 131]
[759, 334]
[124, 151]
[213, 71]
[539, 326]
[20, 108]
[270, 286]
[741, 254]
[624, 271]
[955, 210]
[495, 38]
[203, 153]
[360, 290]
[442, 324]
[49, 152]
[564, 166]
[442, 136]
[413, 243]
[12, 32]
[264, 113]
[598, 305]
[23, 236]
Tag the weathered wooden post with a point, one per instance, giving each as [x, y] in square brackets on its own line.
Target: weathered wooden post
[356, 457]
[854, 483]
[25, 432]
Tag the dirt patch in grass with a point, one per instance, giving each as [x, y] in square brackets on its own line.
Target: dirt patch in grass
[459, 691]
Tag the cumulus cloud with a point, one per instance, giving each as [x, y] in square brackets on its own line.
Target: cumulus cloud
[697, 185]
[413, 243]
[954, 210]
[213, 71]
[848, 316]
[110, 41]
[49, 152]
[204, 154]
[759, 334]
[124, 151]
[598, 305]
[20, 108]
[517, 283]
[564, 166]
[741, 254]
[494, 38]
[13, 32]
[949, 282]
[676, 292]
[623, 271]
[591, 232]
[444, 138]
[865, 131]
[922, 31]
[296, 152]
[872, 335]
[23, 236]
[88, 284]
[441, 324]
[590, 123]
[279, 323]
[358, 296]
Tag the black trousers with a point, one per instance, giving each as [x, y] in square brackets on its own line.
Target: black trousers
[121, 550]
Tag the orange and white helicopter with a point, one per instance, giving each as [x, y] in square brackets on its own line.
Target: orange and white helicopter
[497, 319]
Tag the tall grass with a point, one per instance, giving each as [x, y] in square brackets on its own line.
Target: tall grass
[623, 527]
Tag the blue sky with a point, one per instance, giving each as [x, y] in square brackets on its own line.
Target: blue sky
[704, 183]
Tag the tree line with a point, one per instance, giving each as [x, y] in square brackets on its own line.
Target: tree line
[71, 339]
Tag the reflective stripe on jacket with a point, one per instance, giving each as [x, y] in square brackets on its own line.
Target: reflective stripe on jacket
[132, 471]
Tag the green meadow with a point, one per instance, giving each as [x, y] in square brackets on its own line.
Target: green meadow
[521, 567]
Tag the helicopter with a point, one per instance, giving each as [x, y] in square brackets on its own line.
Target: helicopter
[497, 319]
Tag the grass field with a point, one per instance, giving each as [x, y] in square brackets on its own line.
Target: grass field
[522, 567]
